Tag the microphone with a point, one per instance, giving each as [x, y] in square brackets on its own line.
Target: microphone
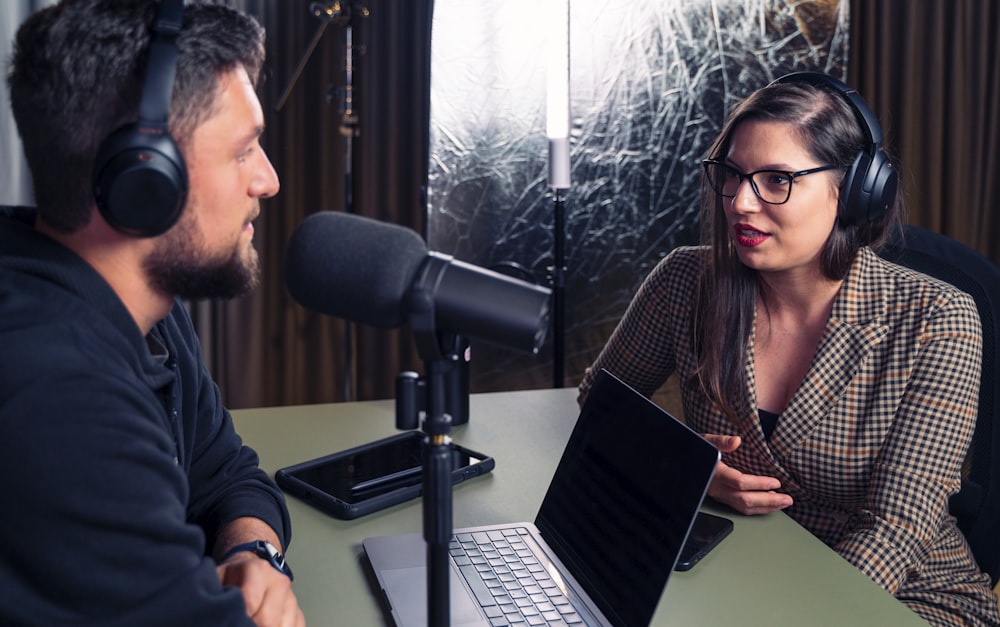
[382, 274]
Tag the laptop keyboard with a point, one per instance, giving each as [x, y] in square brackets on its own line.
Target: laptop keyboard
[510, 584]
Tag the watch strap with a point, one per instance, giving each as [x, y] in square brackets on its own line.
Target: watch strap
[264, 550]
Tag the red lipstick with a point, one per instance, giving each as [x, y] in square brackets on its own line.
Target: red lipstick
[746, 235]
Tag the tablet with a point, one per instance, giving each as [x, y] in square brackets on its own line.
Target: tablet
[373, 476]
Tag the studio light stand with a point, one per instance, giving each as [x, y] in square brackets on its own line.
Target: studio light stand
[557, 129]
[342, 13]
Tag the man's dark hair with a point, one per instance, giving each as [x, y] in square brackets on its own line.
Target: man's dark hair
[77, 72]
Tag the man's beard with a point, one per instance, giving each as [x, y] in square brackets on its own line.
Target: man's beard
[178, 267]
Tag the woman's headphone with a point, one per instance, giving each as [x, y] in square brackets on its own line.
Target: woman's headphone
[869, 188]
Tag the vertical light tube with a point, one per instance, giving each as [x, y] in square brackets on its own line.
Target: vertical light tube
[557, 94]
[557, 129]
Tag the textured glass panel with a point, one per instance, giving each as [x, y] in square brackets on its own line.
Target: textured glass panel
[651, 81]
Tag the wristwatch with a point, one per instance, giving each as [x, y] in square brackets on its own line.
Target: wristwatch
[264, 550]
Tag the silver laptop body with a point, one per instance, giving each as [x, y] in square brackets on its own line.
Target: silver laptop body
[606, 538]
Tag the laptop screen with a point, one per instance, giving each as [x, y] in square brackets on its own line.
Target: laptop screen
[623, 498]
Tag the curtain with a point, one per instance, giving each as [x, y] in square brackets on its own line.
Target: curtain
[15, 180]
[265, 349]
[931, 71]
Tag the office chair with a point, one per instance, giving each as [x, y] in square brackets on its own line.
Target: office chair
[977, 505]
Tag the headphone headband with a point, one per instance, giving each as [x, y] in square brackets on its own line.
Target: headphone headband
[869, 189]
[865, 115]
[162, 65]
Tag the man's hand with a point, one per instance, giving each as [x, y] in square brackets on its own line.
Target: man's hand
[747, 494]
[267, 593]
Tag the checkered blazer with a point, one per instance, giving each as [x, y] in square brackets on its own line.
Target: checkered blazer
[871, 445]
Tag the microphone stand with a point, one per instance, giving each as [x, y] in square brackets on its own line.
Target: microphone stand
[442, 354]
[437, 461]
[437, 501]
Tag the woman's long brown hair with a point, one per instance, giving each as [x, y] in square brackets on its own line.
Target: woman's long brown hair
[727, 294]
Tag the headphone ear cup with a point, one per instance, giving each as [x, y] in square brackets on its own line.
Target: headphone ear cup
[140, 181]
[869, 189]
[882, 179]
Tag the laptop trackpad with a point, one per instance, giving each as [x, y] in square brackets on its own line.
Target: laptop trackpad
[407, 587]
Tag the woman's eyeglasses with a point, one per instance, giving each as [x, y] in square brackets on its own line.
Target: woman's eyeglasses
[772, 186]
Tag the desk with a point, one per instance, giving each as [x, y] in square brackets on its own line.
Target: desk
[769, 571]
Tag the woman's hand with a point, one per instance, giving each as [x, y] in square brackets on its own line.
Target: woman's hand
[747, 494]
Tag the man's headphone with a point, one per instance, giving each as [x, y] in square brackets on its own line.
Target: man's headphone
[140, 181]
[869, 188]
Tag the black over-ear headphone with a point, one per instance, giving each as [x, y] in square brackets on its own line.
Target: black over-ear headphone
[869, 188]
[140, 181]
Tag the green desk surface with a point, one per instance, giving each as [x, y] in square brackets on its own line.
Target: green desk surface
[769, 571]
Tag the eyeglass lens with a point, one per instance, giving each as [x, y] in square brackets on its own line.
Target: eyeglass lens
[771, 186]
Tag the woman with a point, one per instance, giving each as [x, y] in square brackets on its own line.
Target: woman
[839, 387]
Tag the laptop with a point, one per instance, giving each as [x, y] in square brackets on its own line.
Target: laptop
[603, 544]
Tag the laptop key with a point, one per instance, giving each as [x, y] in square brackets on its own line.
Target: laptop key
[507, 607]
[483, 594]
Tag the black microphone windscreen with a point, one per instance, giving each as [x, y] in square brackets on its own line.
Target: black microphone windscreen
[353, 267]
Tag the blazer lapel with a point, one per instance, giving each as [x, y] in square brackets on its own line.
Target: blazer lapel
[854, 330]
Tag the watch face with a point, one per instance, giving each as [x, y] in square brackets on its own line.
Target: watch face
[268, 551]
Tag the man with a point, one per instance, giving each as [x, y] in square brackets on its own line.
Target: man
[129, 498]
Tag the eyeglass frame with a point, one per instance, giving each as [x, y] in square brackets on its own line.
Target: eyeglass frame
[748, 176]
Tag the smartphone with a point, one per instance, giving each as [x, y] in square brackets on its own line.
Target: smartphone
[373, 476]
[707, 532]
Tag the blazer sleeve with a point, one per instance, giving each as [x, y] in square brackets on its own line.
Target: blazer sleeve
[642, 351]
[918, 465]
